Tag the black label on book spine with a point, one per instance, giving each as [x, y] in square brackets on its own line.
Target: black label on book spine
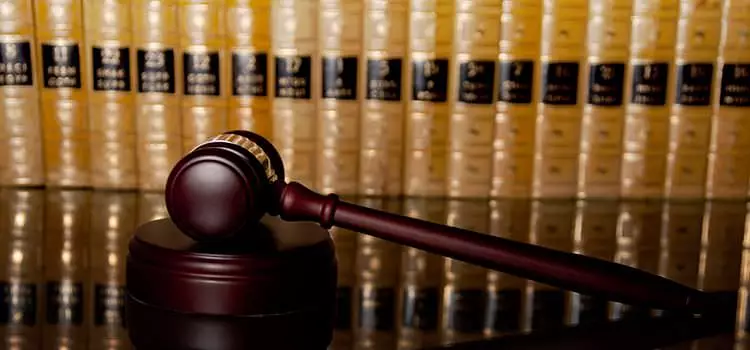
[735, 85]
[694, 84]
[343, 318]
[377, 308]
[61, 64]
[606, 84]
[467, 310]
[430, 80]
[250, 74]
[156, 71]
[19, 303]
[560, 83]
[505, 309]
[64, 303]
[516, 81]
[420, 309]
[15, 64]
[293, 75]
[476, 82]
[384, 79]
[109, 305]
[111, 68]
[202, 75]
[340, 78]
[649, 85]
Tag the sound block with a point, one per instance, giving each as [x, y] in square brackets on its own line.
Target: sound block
[274, 287]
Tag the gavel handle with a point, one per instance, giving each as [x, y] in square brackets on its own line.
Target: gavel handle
[574, 272]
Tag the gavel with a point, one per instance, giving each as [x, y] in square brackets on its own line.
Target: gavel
[226, 184]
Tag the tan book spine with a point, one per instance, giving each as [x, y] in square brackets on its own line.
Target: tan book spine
[346, 254]
[248, 28]
[696, 50]
[465, 285]
[648, 86]
[21, 160]
[21, 223]
[472, 95]
[340, 45]
[65, 121]
[204, 64]
[427, 107]
[112, 124]
[743, 317]
[721, 246]
[421, 283]
[294, 48]
[66, 267]
[513, 145]
[558, 123]
[595, 235]
[113, 220]
[729, 158]
[608, 50]
[378, 267]
[385, 39]
[158, 87]
[509, 218]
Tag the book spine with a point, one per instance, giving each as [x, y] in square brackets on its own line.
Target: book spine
[21, 277]
[513, 144]
[156, 58]
[340, 45]
[552, 224]
[108, 33]
[345, 242]
[696, 50]
[558, 123]
[248, 28]
[113, 219]
[472, 97]
[509, 218]
[294, 49]
[608, 50]
[377, 285]
[66, 232]
[204, 62]
[385, 39]
[427, 76]
[680, 241]
[595, 235]
[649, 81]
[65, 121]
[721, 246]
[729, 158]
[465, 286]
[421, 283]
[20, 122]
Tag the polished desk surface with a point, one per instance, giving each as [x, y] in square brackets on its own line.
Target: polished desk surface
[63, 252]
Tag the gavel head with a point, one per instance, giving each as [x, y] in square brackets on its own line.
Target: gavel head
[224, 185]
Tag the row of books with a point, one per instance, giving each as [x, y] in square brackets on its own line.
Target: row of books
[456, 98]
[63, 253]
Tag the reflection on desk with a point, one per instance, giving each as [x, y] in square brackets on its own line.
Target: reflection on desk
[63, 252]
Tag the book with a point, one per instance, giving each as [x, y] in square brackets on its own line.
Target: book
[427, 106]
[157, 66]
[649, 82]
[472, 94]
[339, 47]
[204, 59]
[560, 106]
[294, 47]
[515, 119]
[63, 91]
[21, 158]
[248, 28]
[728, 159]
[108, 38]
[385, 40]
[608, 50]
[696, 50]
